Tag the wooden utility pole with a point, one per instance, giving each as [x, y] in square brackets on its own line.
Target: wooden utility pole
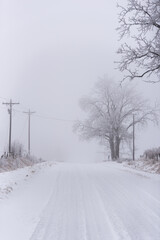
[10, 123]
[29, 130]
[133, 137]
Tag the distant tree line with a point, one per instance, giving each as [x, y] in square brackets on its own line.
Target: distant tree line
[153, 153]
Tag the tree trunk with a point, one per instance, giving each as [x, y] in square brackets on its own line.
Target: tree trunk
[117, 145]
[112, 148]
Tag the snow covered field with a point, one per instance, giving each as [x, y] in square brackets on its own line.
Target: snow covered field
[66, 201]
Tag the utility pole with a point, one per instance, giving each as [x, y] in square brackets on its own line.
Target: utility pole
[29, 130]
[10, 122]
[133, 137]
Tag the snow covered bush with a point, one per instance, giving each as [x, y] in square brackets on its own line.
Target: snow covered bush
[9, 163]
[17, 149]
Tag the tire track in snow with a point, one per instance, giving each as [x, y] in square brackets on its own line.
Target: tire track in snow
[90, 202]
[46, 214]
[98, 223]
[143, 222]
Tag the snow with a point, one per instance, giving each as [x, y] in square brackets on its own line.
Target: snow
[9, 180]
[146, 165]
[69, 201]
[10, 163]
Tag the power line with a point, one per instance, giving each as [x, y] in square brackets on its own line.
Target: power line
[53, 118]
[3, 98]
[47, 117]
[23, 127]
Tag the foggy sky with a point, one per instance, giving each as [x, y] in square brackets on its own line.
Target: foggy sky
[52, 53]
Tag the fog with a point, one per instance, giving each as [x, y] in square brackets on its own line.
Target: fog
[52, 53]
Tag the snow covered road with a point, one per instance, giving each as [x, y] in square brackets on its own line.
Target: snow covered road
[84, 202]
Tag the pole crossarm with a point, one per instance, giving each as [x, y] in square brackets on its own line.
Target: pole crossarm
[29, 112]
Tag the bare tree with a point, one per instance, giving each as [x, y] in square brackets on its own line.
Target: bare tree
[17, 149]
[153, 153]
[110, 111]
[141, 21]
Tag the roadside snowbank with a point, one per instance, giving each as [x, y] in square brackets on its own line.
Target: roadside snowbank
[10, 180]
[20, 209]
[10, 163]
[149, 165]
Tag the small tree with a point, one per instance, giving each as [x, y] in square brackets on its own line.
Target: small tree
[110, 111]
[153, 153]
[17, 149]
[141, 21]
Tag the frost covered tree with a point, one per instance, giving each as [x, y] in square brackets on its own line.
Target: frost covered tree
[110, 110]
[153, 153]
[140, 20]
[17, 149]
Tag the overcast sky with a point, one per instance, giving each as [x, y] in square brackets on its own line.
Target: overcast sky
[52, 53]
